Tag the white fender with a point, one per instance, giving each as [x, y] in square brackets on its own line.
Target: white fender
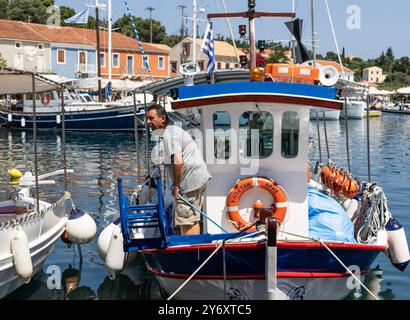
[114, 261]
[398, 250]
[21, 254]
[9, 117]
[58, 119]
[353, 209]
[80, 227]
[104, 240]
[23, 122]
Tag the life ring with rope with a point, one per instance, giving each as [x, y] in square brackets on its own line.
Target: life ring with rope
[45, 99]
[278, 208]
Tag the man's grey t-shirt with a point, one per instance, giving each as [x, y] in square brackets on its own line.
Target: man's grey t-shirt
[196, 174]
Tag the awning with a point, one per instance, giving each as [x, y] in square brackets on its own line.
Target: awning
[375, 92]
[405, 90]
[14, 81]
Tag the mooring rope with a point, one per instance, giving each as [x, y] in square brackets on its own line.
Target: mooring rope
[137, 37]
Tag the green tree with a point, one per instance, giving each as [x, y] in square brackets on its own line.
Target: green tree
[47, 3]
[3, 9]
[65, 13]
[172, 40]
[3, 62]
[277, 56]
[143, 28]
[401, 65]
[27, 10]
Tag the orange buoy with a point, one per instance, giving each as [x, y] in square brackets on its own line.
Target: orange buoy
[279, 207]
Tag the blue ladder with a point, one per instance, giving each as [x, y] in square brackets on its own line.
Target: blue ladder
[142, 216]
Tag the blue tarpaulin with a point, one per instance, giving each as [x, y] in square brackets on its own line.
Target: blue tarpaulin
[327, 218]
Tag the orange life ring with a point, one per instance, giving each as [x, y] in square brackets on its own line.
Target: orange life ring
[45, 99]
[279, 208]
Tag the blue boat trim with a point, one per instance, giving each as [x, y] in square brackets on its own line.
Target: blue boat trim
[235, 88]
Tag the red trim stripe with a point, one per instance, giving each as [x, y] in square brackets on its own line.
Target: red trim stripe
[281, 245]
[280, 274]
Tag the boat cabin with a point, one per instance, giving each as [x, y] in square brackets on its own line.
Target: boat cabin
[255, 129]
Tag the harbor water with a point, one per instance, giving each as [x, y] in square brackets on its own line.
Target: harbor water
[98, 159]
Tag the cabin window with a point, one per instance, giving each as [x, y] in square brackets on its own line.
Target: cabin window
[222, 124]
[256, 134]
[290, 134]
[18, 44]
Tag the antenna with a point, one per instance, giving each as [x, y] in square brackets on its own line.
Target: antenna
[150, 22]
[183, 28]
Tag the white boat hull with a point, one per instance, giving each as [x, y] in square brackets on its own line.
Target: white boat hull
[42, 232]
[355, 110]
[329, 115]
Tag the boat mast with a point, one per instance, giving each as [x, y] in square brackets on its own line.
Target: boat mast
[109, 44]
[251, 14]
[97, 27]
[194, 32]
[312, 3]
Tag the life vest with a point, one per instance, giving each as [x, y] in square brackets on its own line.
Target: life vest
[279, 207]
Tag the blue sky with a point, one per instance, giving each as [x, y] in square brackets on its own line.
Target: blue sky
[382, 23]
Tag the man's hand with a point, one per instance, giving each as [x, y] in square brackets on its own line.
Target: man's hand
[176, 191]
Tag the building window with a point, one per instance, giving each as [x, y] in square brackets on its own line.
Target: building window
[41, 46]
[290, 134]
[102, 59]
[377, 80]
[115, 60]
[201, 65]
[237, 65]
[256, 134]
[186, 49]
[161, 64]
[218, 66]
[61, 56]
[19, 45]
[227, 66]
[222, 124]
[174, 66]
[82, 57]
[145, 61]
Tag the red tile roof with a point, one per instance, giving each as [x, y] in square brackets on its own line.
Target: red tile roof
[69, 35]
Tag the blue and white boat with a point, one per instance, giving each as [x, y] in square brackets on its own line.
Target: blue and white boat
[81, 112]
[255, 140]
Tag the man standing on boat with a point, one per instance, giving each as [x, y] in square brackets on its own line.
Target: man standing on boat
[185, 165]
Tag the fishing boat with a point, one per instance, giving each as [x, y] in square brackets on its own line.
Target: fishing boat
[30, 225]
[82, 112]
[271, 228]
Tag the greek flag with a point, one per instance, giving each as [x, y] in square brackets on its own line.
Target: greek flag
[81, 17]
[208, 48]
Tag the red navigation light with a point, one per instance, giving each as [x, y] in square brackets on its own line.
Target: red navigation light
[242, 30]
